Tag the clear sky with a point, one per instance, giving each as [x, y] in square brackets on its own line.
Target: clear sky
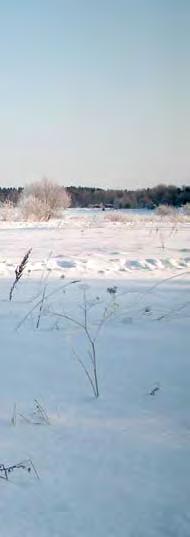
[95, 92]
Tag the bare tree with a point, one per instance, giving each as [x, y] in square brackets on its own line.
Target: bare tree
[43, 200]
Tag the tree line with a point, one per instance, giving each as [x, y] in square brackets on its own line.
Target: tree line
[130, 199]
[119, 199]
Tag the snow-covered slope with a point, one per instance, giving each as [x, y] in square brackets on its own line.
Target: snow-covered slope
[117, 465]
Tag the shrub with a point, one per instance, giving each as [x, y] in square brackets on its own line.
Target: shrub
[7, 211]
[118, 217]
[166, 210]
[43, 200]
[186, 209]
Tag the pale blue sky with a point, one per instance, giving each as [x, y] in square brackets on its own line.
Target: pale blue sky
[95, 92]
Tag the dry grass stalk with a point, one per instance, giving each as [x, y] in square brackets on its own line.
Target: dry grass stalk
[14, 415]
[90, 369]
[39, 415]
[43, 300]
[23, 465]
[19, 272]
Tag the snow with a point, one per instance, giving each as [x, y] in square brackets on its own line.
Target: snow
[93, 246]
[117, 465]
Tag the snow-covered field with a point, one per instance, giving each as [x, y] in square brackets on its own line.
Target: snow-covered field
[117, 465]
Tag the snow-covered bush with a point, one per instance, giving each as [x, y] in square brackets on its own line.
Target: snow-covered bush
[186, 209]
[118, 217]
[43, 200]
[7, 211]
[166, 210]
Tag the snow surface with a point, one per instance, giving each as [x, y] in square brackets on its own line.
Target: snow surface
[118, 465]
[95, 246]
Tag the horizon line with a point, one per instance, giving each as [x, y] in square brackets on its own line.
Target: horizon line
[166, 185]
